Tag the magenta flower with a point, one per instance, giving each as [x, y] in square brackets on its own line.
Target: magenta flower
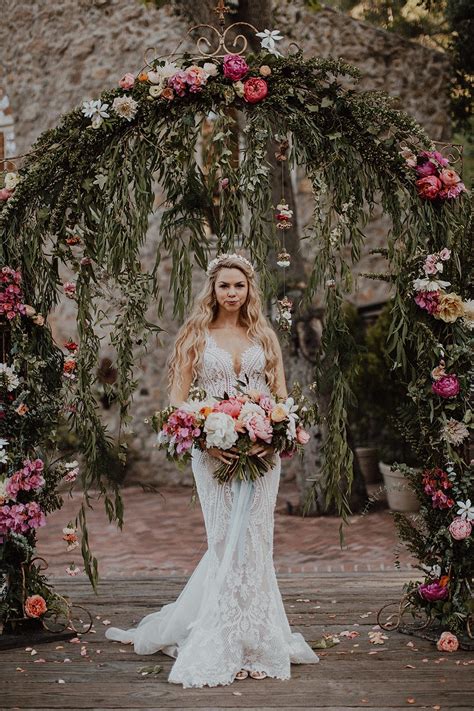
[178, 82]
[29, 478]
[447, 386]
[433, 591]
[235, 67]
[437, 156]
[428, 300]
[441, 501]
[21, 518]
[426, 168]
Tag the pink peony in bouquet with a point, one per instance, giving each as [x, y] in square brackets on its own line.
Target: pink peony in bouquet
[235, 423]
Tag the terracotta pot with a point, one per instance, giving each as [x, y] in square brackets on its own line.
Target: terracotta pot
[399, 495]
[368, 460]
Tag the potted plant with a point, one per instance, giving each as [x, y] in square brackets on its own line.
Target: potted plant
[375, 416]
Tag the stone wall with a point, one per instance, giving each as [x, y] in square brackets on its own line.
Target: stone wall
[56, 53]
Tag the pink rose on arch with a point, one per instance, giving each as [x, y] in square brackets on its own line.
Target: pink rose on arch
[196, 77]
[259, 427]
[302, 437]
[429, 187]
[460, 528]
[447, 386]
[433, 591]
[428, 300]
[448, 642]
[449, 177]
[235, 67]
[127, 81]
[231, 407]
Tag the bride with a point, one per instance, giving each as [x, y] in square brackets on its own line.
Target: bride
[229, 621]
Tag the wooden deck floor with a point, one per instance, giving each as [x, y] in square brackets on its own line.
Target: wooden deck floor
[404, 672]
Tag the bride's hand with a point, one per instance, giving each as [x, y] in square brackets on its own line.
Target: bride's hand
[261, 449]
[224, 455]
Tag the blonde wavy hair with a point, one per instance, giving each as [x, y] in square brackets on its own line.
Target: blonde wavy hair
[190, 340]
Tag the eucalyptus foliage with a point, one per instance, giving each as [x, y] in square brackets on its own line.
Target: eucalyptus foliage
[98, 184]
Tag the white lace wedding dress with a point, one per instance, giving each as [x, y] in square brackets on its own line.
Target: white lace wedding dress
[230, 614]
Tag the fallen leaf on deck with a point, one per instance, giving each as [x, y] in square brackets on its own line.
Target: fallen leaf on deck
[106, 622]
[33, 652]
[61, 681]
[19, 669]
[302, 599]
[410, 701]
[324, 643]
[150, 670]
[28, 649]
[410, 644]
[83, 651]
[350, 634]
[365, 614]
[40, 661]
[75, 640]
[66, 661]
[237, 693]
[409, 666]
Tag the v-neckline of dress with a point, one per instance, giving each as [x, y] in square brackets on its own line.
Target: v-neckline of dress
[229, 354]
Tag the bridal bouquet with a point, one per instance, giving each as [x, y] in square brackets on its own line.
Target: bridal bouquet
[235, 423]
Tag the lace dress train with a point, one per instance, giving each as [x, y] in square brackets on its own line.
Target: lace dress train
[230, 614]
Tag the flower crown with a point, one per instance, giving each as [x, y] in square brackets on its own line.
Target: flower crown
[222, 258]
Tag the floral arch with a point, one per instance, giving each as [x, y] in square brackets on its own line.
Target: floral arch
[82, 198]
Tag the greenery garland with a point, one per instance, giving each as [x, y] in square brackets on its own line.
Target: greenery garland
[82, 199]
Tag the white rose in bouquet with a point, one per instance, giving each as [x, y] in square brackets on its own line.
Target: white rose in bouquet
[220, 430]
